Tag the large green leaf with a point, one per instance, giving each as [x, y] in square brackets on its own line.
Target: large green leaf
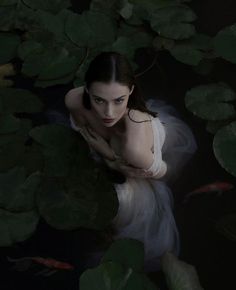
[90, 27]
[12, 146]
[213, 126]
[8, 2]
[224, 145]
[112, 276]
[29, 47]
[127, 252]
[172, 22]
[210, 102]
[84, 199]
[19, 101]
[59, 143]
[225, 43]
[54, 23]
[191, 51]
[80, 193]
[8, 124]
[53, 6]
[186, 54]
[17, 192]
[123, 45]
[8, 49]
[137, 36]
[16, 227]
[179, 275]
[7, 17]
[110, 8]
[226, 225]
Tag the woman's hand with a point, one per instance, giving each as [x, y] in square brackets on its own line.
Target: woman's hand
[97, 142]
[127, 170]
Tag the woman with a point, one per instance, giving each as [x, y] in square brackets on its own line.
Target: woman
[145, 143]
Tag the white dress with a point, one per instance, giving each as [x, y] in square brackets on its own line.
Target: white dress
[145, 204]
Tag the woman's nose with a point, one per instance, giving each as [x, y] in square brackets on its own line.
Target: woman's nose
[108, 111]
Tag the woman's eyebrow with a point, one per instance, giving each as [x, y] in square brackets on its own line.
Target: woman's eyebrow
[95, 96]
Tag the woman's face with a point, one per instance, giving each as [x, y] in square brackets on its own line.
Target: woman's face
[109, 101]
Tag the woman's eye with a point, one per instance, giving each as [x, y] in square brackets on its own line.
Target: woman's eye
[98, 100]
[118, 101]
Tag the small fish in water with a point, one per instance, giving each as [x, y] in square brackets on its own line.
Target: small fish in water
[218, 186]
[20, 264]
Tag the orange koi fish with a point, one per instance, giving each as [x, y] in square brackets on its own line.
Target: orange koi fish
[47, 262]
[218, 186]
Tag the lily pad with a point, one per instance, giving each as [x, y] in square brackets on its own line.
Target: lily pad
[178, 274]
[173, 22]
[210, 102]
[17, 192]
[90, 27]
[225, 43]
[8, 124]
[53, 6]
[19, 101]
[112, 275]
[16, 227]
[8, 49]
[224, 146]
[127, 252]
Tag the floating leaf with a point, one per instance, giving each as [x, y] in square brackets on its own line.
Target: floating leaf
[19, 101]
[127, 252]
[86, 199]
[110, 8]
[138, 37]
[7, 17]
[81, 194]
[213, 126]
[127, 11]
[8, 124]
[29, 47]
[179, 275]
[112, 275]
[53, 6]
[224, 146]
[226, 225]
[58, 144]
[90, 29]
[17, 192]
[12, 146]
[210, 101]
[225, 43]
[16, 227]
[186, 54]
[172, 22]
[8, 49]
[124, 46]
[8, 2]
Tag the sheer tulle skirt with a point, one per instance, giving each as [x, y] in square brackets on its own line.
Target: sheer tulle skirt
[145, 205]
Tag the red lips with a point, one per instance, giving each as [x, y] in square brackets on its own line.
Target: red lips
[108, 120]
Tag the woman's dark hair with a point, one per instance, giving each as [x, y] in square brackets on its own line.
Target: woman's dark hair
[112, 66]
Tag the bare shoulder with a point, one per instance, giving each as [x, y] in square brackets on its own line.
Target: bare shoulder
[73, 99]
[138, 121]
[139, 139]
[138, 129]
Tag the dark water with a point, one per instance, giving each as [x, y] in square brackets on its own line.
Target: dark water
[211, 253]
